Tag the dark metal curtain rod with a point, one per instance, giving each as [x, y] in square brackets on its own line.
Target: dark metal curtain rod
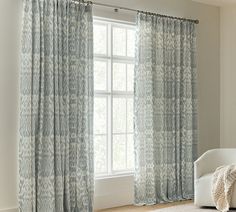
[134, 10]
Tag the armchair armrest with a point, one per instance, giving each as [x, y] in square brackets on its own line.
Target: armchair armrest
[212, 159]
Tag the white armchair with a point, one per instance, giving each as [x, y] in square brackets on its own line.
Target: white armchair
[204, 168]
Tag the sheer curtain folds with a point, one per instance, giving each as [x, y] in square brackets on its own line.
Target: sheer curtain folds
[165, 109]
[56, 120]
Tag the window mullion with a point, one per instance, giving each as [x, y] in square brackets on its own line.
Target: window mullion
[126, 45]
[126, 111]
[109, 144]
[111, 99]
[126, 129]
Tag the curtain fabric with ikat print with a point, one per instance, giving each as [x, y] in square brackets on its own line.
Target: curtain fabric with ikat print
[165, 105]
[56, 129]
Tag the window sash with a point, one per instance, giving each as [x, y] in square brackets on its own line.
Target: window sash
[110, 95]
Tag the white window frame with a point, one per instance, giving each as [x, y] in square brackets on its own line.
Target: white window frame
[110, 94]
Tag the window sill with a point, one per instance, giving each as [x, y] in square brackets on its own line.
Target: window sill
[120, 175]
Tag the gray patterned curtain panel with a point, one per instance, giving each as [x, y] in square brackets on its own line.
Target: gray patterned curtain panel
[56, 129]
[165, 109]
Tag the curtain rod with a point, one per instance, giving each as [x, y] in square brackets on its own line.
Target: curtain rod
[116, 8]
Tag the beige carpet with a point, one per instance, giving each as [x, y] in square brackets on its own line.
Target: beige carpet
[186, 208]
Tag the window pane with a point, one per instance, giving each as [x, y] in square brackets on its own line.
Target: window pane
[100, 153]
[119, 77]
[130, 151]
[119, 115]
[100, 75]
[130, 77]
[119, 41]
[119, 152]
[100, 115]
[130, 115]
[100, 39]
[114, 50]
[130, 43]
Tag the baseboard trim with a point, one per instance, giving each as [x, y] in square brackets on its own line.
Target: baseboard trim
[9, 210]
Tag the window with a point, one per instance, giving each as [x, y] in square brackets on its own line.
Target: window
[113, 105]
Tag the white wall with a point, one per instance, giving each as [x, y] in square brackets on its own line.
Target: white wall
[9, 73]
[228, 77]
[111, 192]
[119, 191]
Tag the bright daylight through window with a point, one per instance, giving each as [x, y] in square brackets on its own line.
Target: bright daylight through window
[113, 105]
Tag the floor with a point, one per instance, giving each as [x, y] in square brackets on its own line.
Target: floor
[143, 208]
